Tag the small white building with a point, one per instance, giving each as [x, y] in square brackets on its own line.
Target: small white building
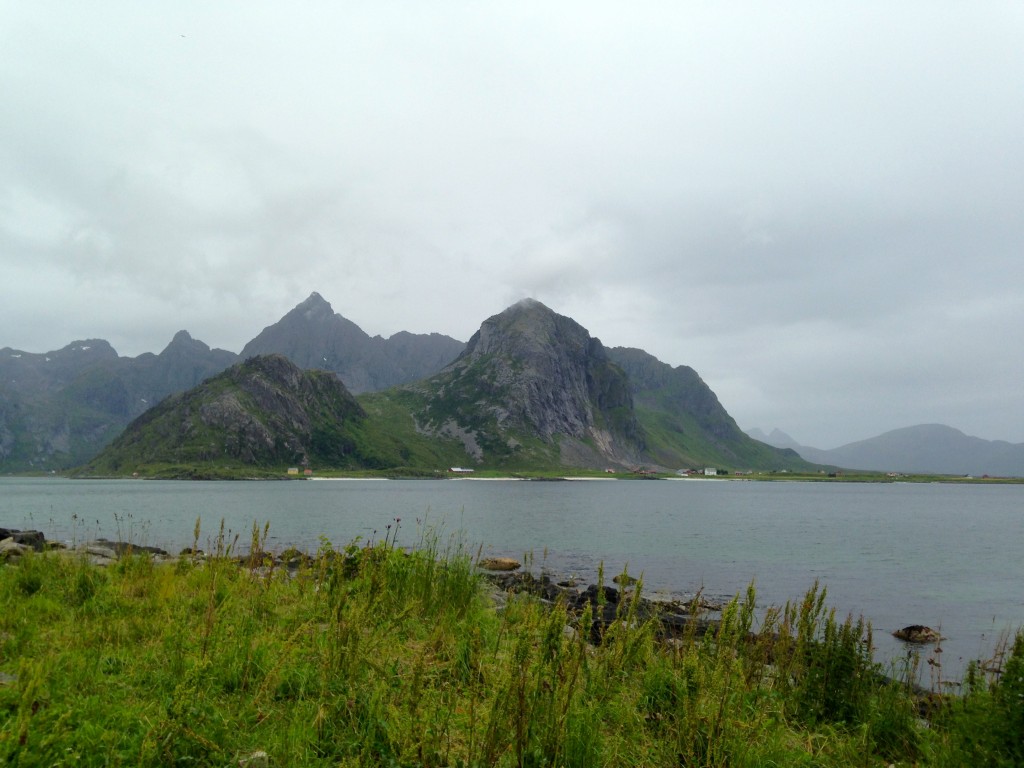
[710, 472]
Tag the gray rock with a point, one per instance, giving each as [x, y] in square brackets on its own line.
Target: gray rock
[100, 551]
[257, 759]
[10, 549]
[500, 564]
[529, 369]
[34, 539]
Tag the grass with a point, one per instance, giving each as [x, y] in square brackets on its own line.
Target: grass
[379, 656]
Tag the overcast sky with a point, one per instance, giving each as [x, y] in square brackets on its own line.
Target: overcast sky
[818, 206]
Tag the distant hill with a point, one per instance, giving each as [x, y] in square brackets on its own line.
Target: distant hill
[926, 449]
[314, 336]
[776, 438]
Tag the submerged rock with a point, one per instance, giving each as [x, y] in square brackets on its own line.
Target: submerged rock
[917, 633]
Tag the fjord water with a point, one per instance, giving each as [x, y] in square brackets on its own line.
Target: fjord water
[948, 556]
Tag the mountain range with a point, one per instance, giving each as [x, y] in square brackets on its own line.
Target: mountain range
[922, 449]
[531, 388]
[60, 408]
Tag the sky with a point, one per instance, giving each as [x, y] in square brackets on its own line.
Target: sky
[818, 206]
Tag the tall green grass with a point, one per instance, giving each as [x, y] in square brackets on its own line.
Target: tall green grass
[372, 655]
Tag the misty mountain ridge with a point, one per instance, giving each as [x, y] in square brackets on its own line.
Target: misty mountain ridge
[921, 449]
[60, 408]
[531, 385]
[313, 335]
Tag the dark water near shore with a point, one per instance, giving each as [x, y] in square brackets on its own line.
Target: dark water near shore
[949, 556]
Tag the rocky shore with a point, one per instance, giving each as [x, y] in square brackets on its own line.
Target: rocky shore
[15, 543]
[674, 618]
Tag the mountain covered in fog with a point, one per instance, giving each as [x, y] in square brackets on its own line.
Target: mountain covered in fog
[924, 449]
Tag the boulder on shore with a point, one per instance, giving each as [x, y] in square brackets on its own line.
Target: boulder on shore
[33, 539]
[500, 564]
[12, 550]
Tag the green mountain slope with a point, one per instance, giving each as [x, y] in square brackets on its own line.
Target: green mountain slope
[265, 412]
[684, 422]
[265, 415]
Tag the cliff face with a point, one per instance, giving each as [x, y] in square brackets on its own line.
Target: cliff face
[313, 335]
[531, 372]
[263, 412]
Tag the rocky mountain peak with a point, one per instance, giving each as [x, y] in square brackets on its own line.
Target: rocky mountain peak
[183, 343]
[315, 306]
[528, 329]
[314, 336]
[88, 348]
[529, 369]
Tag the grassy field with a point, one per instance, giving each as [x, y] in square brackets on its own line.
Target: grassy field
[385, 657]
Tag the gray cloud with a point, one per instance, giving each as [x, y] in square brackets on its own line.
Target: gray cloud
[816, 206]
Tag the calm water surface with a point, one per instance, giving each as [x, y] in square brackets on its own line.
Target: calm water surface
[944, 555]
